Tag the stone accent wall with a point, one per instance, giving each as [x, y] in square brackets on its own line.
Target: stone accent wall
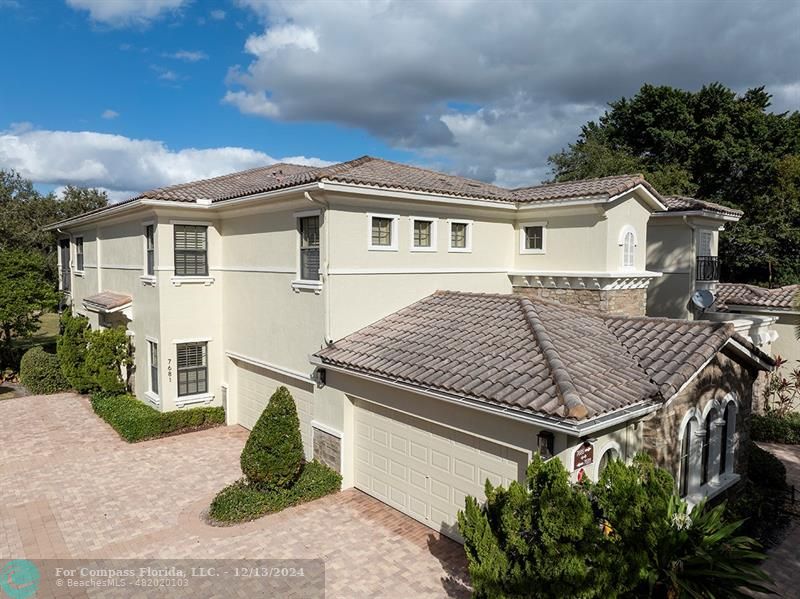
[327, 449]
[631, 302]
[721, 376]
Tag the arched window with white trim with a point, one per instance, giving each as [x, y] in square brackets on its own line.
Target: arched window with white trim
[728, 438]
[628, 243]
[709, 446]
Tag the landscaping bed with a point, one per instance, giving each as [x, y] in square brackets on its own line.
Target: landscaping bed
[136, 421]
[243, 501]
[776, 428]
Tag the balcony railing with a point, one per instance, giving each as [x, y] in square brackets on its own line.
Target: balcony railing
[707, 268]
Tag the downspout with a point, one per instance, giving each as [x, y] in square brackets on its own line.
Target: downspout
[326, 292]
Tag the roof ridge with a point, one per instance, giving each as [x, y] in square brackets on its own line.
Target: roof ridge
[555, 183]
[335, 169]
[573, 402]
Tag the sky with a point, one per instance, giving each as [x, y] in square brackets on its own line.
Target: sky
[128, 95]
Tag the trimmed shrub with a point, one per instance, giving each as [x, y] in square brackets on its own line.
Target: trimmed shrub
[243, 501]
[136, 421]
[40, 372]
[273, 455]
[774, 428]
[107, 353]
[71, 350]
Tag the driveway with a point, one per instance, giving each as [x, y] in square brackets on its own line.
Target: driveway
[70, 488]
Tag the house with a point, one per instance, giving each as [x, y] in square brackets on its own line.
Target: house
[434, 331]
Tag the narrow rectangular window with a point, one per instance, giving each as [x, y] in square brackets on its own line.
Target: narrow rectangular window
[381, 231]
[686, 451]
[79, 253]
[706, 241]
[534, 237]
[153, 366]
[458, 235]
[309, 248]
[150, 241]
[192, 368]
[191, 252]
[422, 233]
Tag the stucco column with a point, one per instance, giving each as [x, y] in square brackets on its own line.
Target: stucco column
[714, 449]
[696, 462]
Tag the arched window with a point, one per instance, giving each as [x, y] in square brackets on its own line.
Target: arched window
[726, 444]
[608, 455]
[628, 249]
[686, 452]
[708, 457]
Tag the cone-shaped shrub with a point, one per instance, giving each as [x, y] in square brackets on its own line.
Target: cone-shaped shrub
[273, 454]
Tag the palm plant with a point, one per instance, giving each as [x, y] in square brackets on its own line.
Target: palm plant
[702, 557]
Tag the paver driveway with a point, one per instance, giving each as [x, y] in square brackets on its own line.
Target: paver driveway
[70, 488]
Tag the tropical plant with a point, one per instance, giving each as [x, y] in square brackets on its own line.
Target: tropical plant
[272, 458]
[781, 390]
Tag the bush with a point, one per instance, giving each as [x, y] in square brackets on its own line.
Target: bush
[273, 455]
[243, 501]
[40, 372]
[107, 353]
[136, 421]
[774, 428]
[71, 349]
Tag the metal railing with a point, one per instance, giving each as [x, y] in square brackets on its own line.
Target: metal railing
[707, 268]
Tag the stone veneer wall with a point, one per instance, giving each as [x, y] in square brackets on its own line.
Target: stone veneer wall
[631, 302]
[721, 376]
[327, 449]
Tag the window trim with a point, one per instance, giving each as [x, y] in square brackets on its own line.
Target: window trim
[80, 264]
[198, 394]
[434, 233]
[146, 276]
[703, 234]
[623, 234]
[467, 249]
[393, 230]
[299, 282]
[522, 237]
[190, 277]
[153, 395]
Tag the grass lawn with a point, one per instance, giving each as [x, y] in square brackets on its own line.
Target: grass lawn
[46, 335]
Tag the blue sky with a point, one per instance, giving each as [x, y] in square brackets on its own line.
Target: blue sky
[131, 94]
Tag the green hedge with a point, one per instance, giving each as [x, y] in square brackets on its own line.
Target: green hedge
[40, 372]
[243, 501]
[136, 421]
[772, 428]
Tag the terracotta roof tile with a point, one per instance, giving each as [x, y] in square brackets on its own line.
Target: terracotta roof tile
[603, 187]
[108, 300]
[533, 356]
[687, 204]
[751, 295]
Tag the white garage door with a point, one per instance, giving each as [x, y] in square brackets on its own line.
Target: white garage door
[254, 387]
[426, 470]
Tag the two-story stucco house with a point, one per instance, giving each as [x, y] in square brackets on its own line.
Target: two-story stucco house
[434, 331]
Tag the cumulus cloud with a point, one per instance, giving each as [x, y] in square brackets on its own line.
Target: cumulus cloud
[121, 13]
[119, 164]
[492, 93]
[109, 114]
[188, 55]
[217, 15]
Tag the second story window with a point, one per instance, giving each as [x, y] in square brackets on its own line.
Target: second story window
[150, 250]
[191, 251]
[532, 238]
[423, 234]
[192, 368]
[629, 249]
[309, 248]
[382, 232]
[79, 253]
[460, 236]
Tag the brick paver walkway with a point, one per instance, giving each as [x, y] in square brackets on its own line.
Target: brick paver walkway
[70, 488]
[783, 564]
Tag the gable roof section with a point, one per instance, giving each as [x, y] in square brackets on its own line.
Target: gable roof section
[739, 294]
[687, 204]
[601, 188]
[530, 356]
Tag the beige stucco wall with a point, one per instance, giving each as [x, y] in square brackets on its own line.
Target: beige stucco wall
[787, 345]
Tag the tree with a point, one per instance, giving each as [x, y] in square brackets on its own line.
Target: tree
[107, 353]
[71, 350]
[24, 295]
[273, 454]
[714, 145]
[24, 213]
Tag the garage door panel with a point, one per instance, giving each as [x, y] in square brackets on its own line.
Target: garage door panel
[431, 469]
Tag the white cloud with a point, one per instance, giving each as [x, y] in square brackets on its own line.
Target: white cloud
[109, 114]
[281, 37]
[491, 92]
[121, 13]
[120, 164]
[217, 15]
[188, 55]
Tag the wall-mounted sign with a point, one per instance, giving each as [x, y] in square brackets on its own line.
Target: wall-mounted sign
[584, 456]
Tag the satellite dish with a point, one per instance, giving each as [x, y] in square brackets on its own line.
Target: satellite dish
[703, 298]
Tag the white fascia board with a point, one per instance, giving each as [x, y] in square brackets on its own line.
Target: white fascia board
[557, 203]
[747, 353]
[413, 195]
[649, 197]
[744, 308]
[698, 213]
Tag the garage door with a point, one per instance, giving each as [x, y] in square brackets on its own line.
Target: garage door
[423, 469]
[254, 387]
